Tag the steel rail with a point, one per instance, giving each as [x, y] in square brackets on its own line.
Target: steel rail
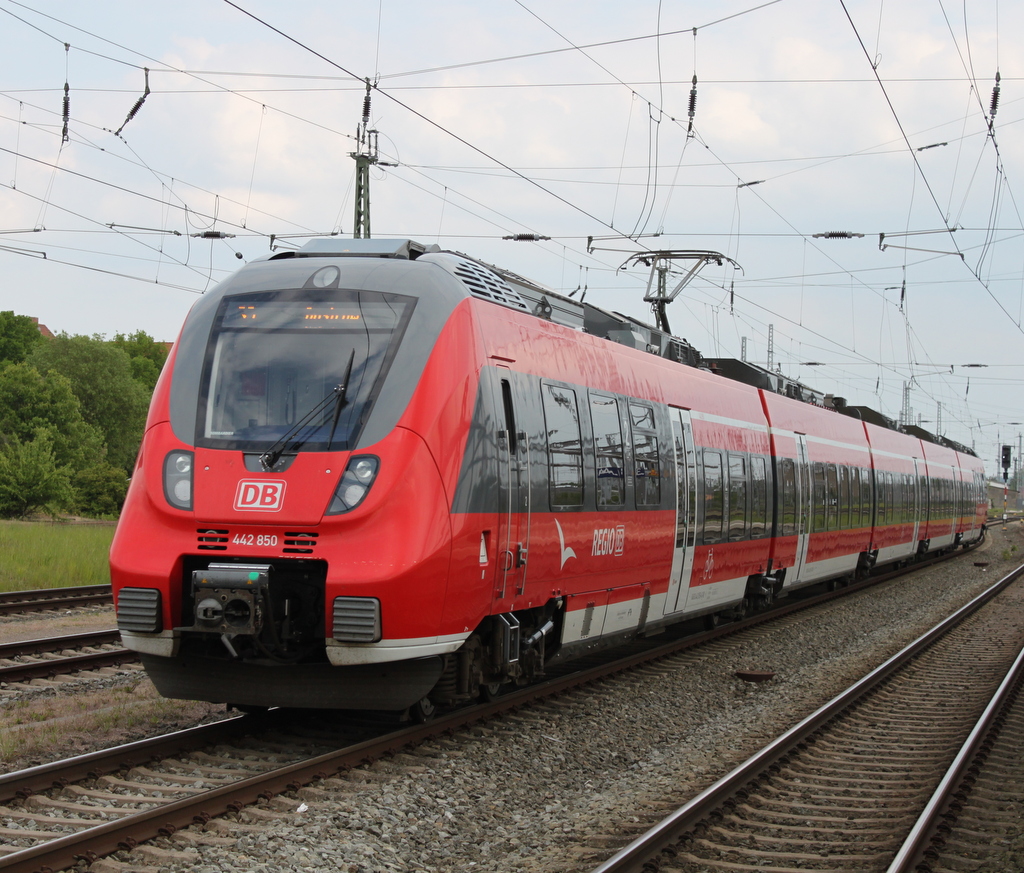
[128, 831]
[57, 644]
[634, 856]
[51, 667]
[53, 598]
[91, 765]
[939, 813]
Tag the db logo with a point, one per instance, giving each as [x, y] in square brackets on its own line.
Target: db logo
[260, 494]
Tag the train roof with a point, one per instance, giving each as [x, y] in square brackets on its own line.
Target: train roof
[505, 288]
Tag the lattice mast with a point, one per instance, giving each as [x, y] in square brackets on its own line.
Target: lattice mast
[366, 155]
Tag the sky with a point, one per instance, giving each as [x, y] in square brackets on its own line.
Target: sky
[866, 121]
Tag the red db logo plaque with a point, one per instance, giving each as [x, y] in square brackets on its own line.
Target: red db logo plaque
[262, 495]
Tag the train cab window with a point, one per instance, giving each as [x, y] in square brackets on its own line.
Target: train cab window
[737, 497]
[820, 497]
[645, 455]
[758, 498]
[832, 504]
[787, 490]
[565, 455]
[604, 415]
[714, 497]
[275, 359]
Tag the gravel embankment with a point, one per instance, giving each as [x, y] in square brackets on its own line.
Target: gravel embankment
[559, 787]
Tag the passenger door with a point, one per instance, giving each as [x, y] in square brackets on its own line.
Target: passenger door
[513, 535]
[686, 511]
[803, 506]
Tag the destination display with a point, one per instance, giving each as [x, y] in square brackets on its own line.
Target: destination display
[277, 314]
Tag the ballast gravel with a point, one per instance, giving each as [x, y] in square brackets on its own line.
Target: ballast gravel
[560, 786]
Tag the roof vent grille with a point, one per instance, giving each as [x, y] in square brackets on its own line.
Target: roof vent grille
[487, 285]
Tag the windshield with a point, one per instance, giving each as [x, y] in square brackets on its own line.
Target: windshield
[275, 357]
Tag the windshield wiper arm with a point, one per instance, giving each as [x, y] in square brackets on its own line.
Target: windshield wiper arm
[272, 455]
[341, 393]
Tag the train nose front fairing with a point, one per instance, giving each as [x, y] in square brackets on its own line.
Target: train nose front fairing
[285, 373]
[279, 422]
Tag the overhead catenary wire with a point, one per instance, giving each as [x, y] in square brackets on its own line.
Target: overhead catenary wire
[446, 192]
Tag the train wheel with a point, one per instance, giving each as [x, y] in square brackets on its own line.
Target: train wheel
[490, 691]
[712, 620]
[423, 710]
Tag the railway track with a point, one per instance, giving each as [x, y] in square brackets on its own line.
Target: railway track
[842, 789]
[47, 599]
[50, 657]
[100, 803]
[973, 819]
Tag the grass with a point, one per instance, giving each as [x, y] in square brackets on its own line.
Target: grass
[72, 723]
[49, 555]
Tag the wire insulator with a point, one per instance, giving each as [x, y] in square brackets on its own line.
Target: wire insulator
[366, 104]
[693, 104]
[67, 112]
[994, 105]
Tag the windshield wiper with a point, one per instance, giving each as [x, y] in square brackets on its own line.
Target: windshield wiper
[342, 398]
[338, 396]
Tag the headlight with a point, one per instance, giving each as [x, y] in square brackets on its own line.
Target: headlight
[178, 479]
[354, 485]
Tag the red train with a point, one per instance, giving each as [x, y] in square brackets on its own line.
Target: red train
[382, 476]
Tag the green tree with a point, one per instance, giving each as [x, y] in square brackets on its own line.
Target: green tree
[29, 401]
[31, 479]
[147, 355]
[100, 491]
[102, 379]
[19, 334]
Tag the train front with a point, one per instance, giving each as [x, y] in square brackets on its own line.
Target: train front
[286, 538]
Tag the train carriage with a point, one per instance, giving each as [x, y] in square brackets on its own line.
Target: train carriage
[377, 475]
[823, 465]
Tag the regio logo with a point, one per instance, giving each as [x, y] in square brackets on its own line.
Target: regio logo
[261, 495]
[609, 541]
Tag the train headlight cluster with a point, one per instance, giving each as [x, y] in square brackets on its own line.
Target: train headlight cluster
[354, 484]
[178, 479]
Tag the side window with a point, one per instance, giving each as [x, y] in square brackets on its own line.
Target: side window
[758, 498]
[787, 475]
[820, 497]
[565, 456]
[737, 497]
[855, 497]
[645, 455]
[604, 413]
[880, 498]
[714, 497]
[833, 496]
[844, 497]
